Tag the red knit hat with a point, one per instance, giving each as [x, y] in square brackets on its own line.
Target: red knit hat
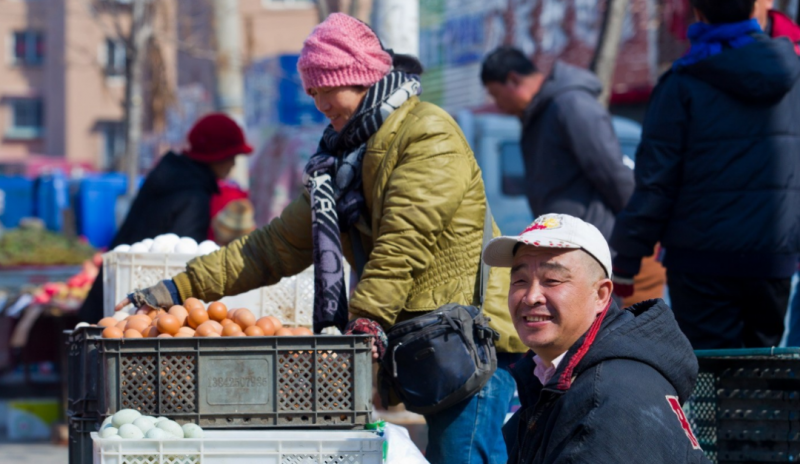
[216, 137]
[342, 51]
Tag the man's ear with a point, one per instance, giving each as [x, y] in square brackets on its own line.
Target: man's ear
[604, 289]
[513, 79]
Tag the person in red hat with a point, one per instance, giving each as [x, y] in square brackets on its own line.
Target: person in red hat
[776, 24]
[176, 196]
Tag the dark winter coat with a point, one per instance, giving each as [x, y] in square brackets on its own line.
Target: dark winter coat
[573, 162]
[619, 402]
[718, 168]
[175, 198]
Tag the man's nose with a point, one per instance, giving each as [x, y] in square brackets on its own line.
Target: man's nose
[534, 296]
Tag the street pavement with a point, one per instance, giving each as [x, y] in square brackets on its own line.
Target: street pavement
[32, 453]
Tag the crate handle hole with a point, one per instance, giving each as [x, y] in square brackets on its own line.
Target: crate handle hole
[328, 418]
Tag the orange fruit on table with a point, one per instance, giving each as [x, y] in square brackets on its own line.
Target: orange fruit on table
[217, 311]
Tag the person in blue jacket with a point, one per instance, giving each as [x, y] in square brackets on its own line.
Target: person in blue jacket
[718, 181]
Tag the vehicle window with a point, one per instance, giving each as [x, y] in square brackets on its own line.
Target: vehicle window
[512, 169]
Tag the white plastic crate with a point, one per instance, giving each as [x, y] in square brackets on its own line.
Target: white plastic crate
[291, 300]
[246, 447]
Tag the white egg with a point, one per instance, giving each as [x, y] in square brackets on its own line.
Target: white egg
[106, 421]
[139, 248]
[108, 432]
[160, 418]
[152, 419]
[170, 236]
[125, 416]
[148, 242]
[171, 427]
[81, 324]
[114, 437]
[130, 432]
[186, 246]
[122, 248]
[161, 246]
[158, 434]
[192, 431]
[207, 247]
[144, 424]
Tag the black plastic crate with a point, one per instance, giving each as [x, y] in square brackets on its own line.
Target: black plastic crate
[80, 441]
[746, 405]
[236, 382]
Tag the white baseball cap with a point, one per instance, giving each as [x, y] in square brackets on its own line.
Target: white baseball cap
[552, 231]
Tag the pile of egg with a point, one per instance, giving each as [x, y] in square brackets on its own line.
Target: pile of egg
[169, 243]
[130, 424]
[192, 319]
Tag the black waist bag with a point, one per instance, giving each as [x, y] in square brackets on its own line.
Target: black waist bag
[441, 358]
[437, 360]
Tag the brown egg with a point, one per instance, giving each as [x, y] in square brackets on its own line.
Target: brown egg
[164, 336]
[137, 324]
[132, 333]
[143, 311]
[226, 321]
[217, 326]
[217, 311]
[204, 329]
[151, 332]
[284, 332]
[231, 313]
[244, 318]
[112, 332]
[230, 330]
[213, 334]
[253, 331]
[193, 303]
[302, 331]
[266, 325]
[107, 322]
[122, 324]
[239, 334]
[276, 322]
[196, 317]
[180, 313]
[167, 323]
[185, 332]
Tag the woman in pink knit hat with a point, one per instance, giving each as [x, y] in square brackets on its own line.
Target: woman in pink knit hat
[395, 189]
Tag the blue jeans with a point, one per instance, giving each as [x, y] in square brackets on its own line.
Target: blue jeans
[471, 432]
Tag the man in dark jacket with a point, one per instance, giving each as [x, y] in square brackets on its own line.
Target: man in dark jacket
[176, 195]
[718, 181]
[573, 162]
[601, 385]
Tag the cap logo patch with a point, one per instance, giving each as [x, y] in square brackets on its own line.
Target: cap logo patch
[543, 223]
[675, 404]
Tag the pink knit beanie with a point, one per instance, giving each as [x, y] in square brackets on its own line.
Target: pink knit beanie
[342, 51]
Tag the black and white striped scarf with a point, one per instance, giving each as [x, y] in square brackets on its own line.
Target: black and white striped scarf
[333, 178]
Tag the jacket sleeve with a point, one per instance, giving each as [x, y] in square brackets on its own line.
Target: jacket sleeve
[281, 249]
[590, 136]
[659, 168]
[423, 192]
[630, 419]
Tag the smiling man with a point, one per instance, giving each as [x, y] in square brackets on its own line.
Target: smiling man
[601, 384]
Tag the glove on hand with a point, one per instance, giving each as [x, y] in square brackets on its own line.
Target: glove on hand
[161, 295]
[366, 326]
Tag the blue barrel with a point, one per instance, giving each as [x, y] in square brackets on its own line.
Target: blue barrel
[97, 197]
[52, 198]
[17, 196]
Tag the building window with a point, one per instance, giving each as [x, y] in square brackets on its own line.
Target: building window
[28, 47]
[115, 58]
[113, 139]
[27, 118]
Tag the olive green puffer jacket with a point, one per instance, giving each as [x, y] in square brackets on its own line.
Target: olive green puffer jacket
[426, 197]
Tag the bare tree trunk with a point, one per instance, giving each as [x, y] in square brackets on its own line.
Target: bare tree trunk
[141, 31]
[323, 9]
[605, 58]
